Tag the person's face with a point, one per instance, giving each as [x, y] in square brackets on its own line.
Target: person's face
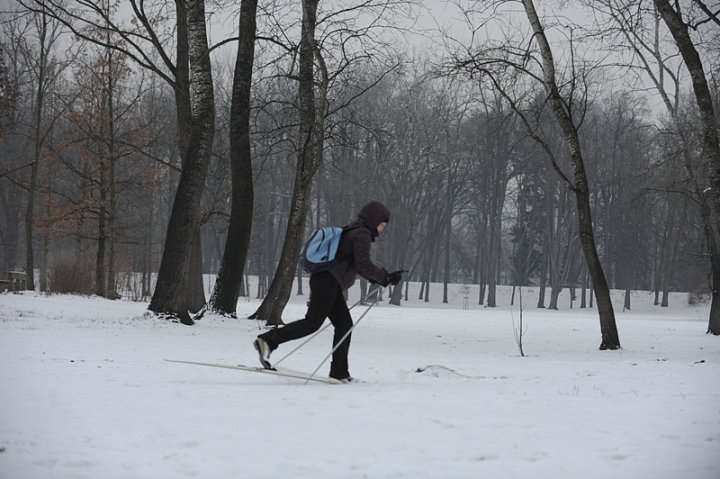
[381, 227]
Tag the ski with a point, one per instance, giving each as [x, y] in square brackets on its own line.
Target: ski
[288, 373]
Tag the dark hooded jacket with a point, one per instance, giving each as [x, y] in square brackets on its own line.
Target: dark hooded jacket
[353, 255]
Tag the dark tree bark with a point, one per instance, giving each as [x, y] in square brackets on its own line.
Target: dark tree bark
[37, 146]
[710, 141]
[196, 115]
[608, 327]
[227, 287]
[111, 288]
[543, 277]
[309, 153]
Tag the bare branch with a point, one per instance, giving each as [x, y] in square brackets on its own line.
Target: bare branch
[80, 21]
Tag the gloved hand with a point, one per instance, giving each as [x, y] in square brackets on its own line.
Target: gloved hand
[394, 277]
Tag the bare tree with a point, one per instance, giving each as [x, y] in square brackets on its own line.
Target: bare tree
[563, 114]
[182, 243]
[10, 193]
[179, 282]
[44, 71]
[330, 46]
[679, 28]
[520, 61]
[639, 31]
[309, 152]
[227, 287]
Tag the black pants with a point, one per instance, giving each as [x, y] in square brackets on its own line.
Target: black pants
[326, 301]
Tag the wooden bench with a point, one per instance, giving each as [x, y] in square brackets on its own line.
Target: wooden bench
[16, 281]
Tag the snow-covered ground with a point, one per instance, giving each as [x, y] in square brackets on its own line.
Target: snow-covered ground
[85, 393]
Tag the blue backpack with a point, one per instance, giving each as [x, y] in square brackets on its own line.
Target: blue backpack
[319, 252]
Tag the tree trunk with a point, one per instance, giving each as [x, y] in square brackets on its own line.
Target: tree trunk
[397, 292]
[104, 159]
[709, 136]
[299, 278]
[37, 143]
[171, 294]
[608, 327]
[111, 286]
[446, 266]
[227, 286]
[309, 157]
[10, 233]
[626, 305]
[714, 323]
[102, 237]
[46, 259]
[542, 284]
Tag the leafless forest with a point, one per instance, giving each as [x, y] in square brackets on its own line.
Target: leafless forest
[572, 145]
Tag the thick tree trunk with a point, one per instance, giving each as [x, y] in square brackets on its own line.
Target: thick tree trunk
[714, 323]
[171, 294]
[227, 287]
[310, 146]
[714, 250]
[608, 327]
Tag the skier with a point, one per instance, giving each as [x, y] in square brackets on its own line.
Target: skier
[326, 291]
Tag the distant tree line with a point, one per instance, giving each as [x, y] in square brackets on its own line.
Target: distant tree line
[138, 156]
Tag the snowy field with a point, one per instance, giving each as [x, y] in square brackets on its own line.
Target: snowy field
[444, 393]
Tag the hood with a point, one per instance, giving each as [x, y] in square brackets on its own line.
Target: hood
[372, 214]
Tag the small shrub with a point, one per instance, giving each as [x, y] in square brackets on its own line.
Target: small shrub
[67, 276]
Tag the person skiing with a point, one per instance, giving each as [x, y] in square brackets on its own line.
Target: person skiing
[326, 291]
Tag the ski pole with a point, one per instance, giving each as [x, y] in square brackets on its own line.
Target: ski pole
[318, 332]
[377, 297]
